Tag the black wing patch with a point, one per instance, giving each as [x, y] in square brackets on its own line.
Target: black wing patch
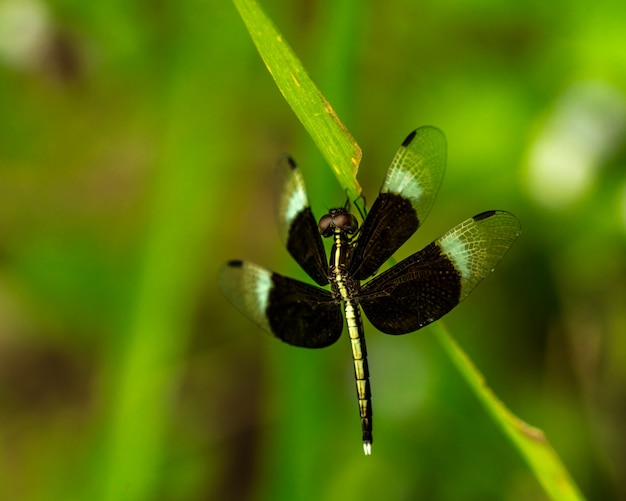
[390, 223]
[296, 224]
[406, 197]
[294, 312]
[427, 285]
[413, 293]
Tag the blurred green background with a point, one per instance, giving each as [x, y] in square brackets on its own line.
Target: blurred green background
[137, 142]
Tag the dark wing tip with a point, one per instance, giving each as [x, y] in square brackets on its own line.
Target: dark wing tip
[484, 215]
[513, 221]
[291, 161]
[409, 139]
[507, 222]
[235, 263]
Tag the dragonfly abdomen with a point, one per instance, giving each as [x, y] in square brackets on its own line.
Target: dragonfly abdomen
[361, 371]
[345, 289]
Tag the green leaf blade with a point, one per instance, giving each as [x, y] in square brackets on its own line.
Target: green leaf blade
[319, 118]
[531, 442]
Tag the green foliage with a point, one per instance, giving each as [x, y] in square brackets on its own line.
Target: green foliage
[137, 143]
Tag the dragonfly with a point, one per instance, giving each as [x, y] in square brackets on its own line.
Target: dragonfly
[407, 296]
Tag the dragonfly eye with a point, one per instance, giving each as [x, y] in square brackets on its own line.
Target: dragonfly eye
[337, 218]
[346, 222]
[324, 225]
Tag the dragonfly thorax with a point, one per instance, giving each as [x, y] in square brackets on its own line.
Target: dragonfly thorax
[337, 219]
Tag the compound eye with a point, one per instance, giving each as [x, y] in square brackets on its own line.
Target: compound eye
[345, 221]
[324, 225]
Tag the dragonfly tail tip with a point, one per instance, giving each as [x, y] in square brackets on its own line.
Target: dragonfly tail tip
[367, 448]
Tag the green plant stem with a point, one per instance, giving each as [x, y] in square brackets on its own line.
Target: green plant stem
[529, 441]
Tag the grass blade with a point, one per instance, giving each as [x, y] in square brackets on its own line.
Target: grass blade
[529, 441]
[330, 135]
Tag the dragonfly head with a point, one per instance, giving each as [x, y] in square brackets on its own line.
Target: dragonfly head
[337, 219]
